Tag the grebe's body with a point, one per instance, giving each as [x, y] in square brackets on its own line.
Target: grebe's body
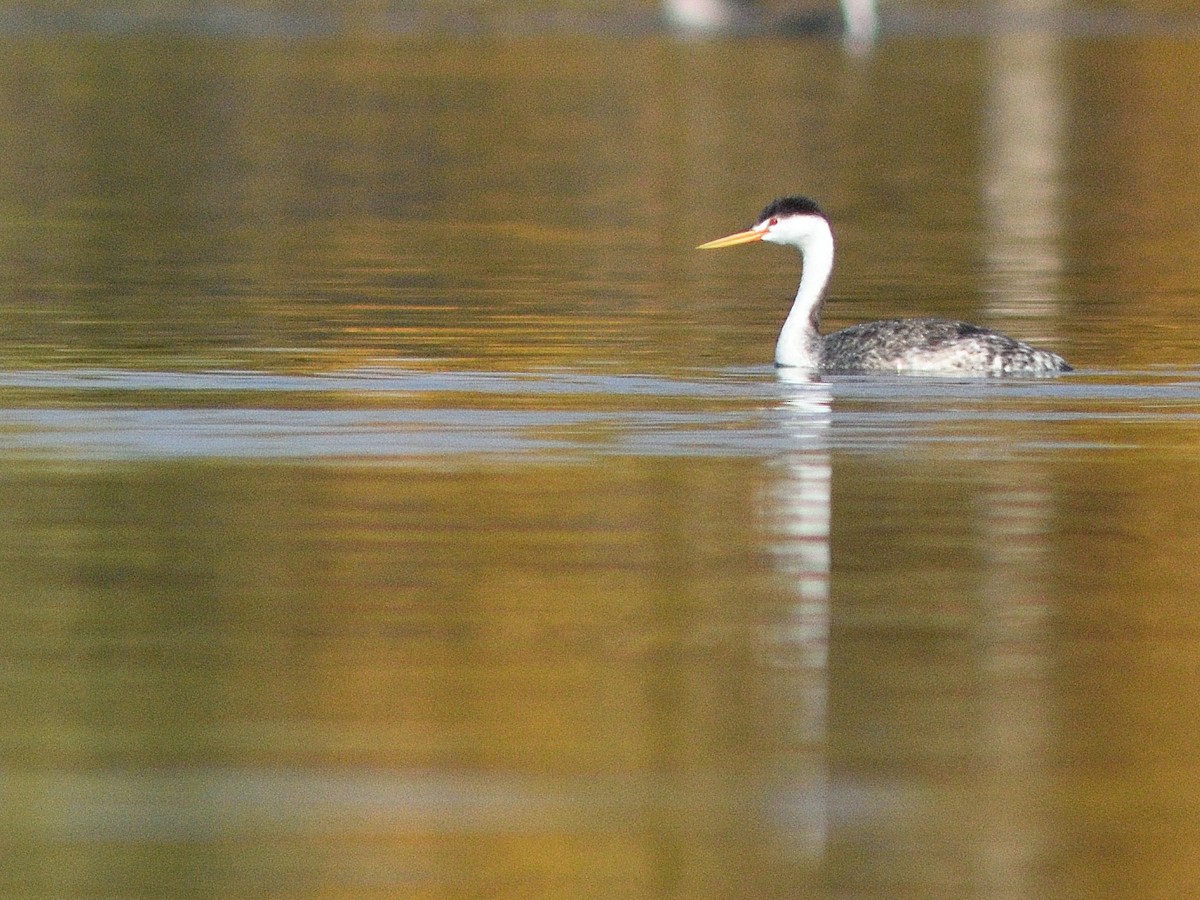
[932, 346]
[918, 346]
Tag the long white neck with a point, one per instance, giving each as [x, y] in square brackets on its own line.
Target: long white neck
[799, 342]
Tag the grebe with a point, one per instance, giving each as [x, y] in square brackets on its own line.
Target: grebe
[922, 346]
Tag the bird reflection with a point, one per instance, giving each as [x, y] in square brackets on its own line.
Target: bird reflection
[798, 515]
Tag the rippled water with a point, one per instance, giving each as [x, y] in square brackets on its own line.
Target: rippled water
[403, 416]
[394, 504]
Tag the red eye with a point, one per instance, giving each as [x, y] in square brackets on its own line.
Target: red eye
[773, 222]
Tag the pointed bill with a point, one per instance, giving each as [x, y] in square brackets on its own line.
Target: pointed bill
[730, 240]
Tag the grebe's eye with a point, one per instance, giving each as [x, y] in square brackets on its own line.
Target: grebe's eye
[773, 223]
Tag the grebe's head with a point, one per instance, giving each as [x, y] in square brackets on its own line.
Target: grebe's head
[791, 221]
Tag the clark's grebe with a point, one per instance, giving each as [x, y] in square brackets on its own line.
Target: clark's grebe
[924, 346]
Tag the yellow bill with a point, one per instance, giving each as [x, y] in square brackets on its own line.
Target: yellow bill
[730, 240]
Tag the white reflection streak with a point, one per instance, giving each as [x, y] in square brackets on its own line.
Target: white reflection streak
[1016, 704]
[1024, 121]
[800, 507]
[1023, 166]
[803, 499]
[861, 25]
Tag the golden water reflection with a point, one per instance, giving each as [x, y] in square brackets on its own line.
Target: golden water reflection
[382, 679]
[541, 631]
[383, 656]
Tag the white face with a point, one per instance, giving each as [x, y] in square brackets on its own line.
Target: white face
[793, 231]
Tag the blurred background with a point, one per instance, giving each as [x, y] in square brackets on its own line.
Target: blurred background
[393, 503]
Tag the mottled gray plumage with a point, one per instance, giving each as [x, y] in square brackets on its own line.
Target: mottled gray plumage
[897, 345]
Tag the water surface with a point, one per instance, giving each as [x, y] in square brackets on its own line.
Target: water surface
[394, 504]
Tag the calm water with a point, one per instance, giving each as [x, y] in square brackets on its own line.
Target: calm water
[394, 504]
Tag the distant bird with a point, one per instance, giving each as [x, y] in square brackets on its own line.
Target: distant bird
[858, 19]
